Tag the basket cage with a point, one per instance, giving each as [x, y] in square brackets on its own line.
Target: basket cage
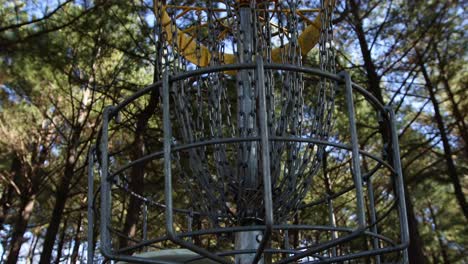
[249, 158]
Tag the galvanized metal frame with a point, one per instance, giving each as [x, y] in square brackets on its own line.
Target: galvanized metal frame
[259, 67]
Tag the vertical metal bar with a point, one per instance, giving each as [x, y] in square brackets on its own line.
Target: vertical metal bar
[171, 234]
[355, 151]
[247, 240]
[250, 155]
[145, 221]
[287, 245]
[190, 223]
[105, 184]
[332, 221]
[399, 184]
[373, 218]
[246, 124]
[90, 205]
[328, 189]
[167, 157]
[265, 147]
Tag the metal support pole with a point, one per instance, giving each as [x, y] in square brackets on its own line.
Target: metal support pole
[171, 234]
[287, 245]
[247, 99]
[265, 147]
[106, 246]
[331, 212]
[373, 218]
[246, 119]
[90, 205]
[190, 223]
[332, 221]
[355, 151]
[145, 221]
[167, 157]
[399, 184]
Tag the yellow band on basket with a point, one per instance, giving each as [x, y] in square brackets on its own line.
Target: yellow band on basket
[187, 44]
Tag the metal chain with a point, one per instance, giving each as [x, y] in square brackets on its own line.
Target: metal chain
[204, 108]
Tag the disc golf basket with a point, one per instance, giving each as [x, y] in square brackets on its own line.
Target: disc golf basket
[251, 157]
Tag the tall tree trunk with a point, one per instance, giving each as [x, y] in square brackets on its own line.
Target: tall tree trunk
[443, 249]
[459, 117]
[416, 245]
[32, 246]
[24, 214]
[460, 121]
[77, 240]
[415, 249]
[451, 169]
[28, 175]
[373, 78]
[33, 250]
[61, 196]
[136, 181]
[73, 151]
[61, 242]
[295, 234]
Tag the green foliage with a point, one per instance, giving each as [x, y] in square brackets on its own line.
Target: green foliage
[58, 72]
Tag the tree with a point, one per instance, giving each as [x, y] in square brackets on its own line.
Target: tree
[62, 62]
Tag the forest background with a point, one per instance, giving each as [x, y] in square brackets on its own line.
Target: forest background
[62, 62]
